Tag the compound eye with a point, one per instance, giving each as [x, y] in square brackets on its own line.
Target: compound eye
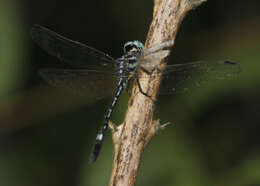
[128, 47]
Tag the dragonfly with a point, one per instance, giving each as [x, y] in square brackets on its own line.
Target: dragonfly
[91, 68]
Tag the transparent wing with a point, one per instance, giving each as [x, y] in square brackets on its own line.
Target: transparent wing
[71, 52]
[182, 77]
[147, 62]
[96, 84]
[155, 53]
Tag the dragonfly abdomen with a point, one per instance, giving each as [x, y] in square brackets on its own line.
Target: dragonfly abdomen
[100, 135]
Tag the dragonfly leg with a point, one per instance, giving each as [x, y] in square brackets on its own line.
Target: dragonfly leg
[150, 71]
[140, 87]
[128, 86]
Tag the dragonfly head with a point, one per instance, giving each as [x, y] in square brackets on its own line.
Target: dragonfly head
[133, 46]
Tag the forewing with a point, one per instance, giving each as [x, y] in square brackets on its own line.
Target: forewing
[183, 77]
[71, 52]
[90, 83]
[148, 62]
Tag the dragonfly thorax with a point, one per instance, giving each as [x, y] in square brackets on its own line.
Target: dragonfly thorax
[127, 64]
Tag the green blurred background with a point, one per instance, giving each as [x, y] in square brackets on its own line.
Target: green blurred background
[46, 134]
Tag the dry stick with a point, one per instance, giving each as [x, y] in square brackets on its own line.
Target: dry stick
[137, 130]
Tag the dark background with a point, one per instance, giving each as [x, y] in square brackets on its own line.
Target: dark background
[47, 134]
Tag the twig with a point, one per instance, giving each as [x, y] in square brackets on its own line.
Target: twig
[131, 137]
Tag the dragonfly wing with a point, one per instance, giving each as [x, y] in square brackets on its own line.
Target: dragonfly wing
[96, 84]
[71, 52]
[182, 77]
[154, 54]
[148, 62]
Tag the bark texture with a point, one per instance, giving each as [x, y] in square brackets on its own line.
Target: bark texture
[138, 128]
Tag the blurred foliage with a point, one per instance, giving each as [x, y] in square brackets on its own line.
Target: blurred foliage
[12, 53]
[46, 138]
